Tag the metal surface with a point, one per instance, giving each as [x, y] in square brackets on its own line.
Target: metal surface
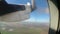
[18, 15]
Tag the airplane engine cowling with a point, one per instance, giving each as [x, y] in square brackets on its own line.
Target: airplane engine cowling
[17, 15]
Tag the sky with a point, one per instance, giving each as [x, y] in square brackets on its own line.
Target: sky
[41, 14]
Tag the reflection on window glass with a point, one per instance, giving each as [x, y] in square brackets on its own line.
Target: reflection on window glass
[38, 23]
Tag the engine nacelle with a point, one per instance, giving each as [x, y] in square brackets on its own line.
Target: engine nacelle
[14, 13]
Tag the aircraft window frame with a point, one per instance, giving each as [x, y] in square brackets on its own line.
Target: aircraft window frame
[53, 3]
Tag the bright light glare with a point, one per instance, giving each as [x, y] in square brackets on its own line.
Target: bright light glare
[28, 3]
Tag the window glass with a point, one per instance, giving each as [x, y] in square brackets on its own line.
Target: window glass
[38, 23]
[17, 1]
